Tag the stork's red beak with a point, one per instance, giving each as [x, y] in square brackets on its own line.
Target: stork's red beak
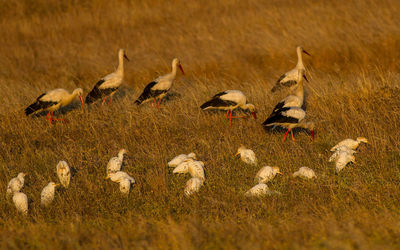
[312, 134]
[254, 115]
[304, 76]
[180, 67]
[305, 52]
[80, 98]
[126, 57]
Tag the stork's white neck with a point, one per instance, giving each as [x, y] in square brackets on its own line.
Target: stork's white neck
[120, 69]
[300, 64]
[299, 91]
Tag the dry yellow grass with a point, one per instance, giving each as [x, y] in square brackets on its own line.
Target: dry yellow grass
[353, 91]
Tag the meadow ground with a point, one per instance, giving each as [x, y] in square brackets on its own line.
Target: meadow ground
[353, 91]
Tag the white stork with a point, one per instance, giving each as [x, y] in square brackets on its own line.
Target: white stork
[229, 100]
[293, 76]
[108, 85]
[294, 100]
[53, 100]
[158, 88]
[290, 118]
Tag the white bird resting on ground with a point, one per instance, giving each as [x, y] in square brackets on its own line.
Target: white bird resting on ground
[260, 190]
[183, 167]
[47, 194]
[21, 202]
[15, 184]
[305, 172]
[125, 185]
[180, 158]
[115, 163]
[120, 175]
[193, 185]
[340, 149]
[343, 159]
[247, 155]
[266, 174]
[196, 169]
[63, 173]
[350, 143]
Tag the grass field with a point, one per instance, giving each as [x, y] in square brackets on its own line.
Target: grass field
[354, 91]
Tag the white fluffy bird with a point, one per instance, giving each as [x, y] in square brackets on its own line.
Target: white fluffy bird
[63, 173]
[47, 194]
[21, 202]
[15, 184]
[335, 154]
[180, 158]
[350, 143]
[343, 159]
[115, 163]
[196, 169]
[305, 172]
[125, 185]
[247, 155]
[193, 185]
[266, 174]
[119, 176]
[258, 191]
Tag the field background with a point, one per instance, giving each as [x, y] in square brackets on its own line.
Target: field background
[353, 91]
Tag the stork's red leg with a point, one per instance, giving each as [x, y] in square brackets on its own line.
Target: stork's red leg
[47, 116]
[51, 117]
[291, 132]
[227, 114]
[230, 118]
[110, 101]
[154, 101]
[284, 138]
[159, 102]
[103, 101]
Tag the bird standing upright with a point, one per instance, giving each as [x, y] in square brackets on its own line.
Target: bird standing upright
[158, 88]
[108, 85]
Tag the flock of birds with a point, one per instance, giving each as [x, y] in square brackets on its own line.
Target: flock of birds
[289, 114]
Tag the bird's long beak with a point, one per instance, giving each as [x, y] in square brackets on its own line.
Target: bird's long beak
[312, 134]
[108, 177]
[81, 99]
[180, 67]
[254, 115]
[126, 57]
[56, 185]
[279, 172]
[305, 78]
[305, 52]
[237, 154]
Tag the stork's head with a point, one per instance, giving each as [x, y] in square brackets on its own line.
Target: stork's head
[252, 109]
[310, 126]
[79, 92]
[176, 63]
[301, 49]
[122, 54]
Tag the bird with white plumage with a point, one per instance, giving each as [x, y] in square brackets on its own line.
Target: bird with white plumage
[125, 185]
[260, 190]
[20, 201]
[63, 173]
[266, 174]
[47, 194]
[350, 143]
[115, 163]
[108, 85]
[180, 158]
[343, 158]
[305, 172]
[15, 184]
[193, 185]
[120, 175]
[295, 75]
[246, 155]
[339, 149]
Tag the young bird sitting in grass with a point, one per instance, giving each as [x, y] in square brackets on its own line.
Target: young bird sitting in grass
[180, 158]
[305, 172]
[193, 185]
[183, 167]
[260, 190]
[21, 202]
[118, 176]
[47, 195]
[350, 143]
[15, 184]
[63, 173]
[246, 155]
[266, 174]
[115, 163]
[343, 159]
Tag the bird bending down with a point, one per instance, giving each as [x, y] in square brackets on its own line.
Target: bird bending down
[63, 173]
[305, 172]
[229, 100]
[118, 176]
[193, 185]
[340, 149]
[115, 163]
[180, 158]
[266, 174]
[290, 118]
[47, 194]
[343, 159]
[293, 76]
[15, 184]
[158, 88]
[21, 202]
[53, 100]
[296, 99]
[247, 155]
[108, 85]
[350, 143]
[125, 185]
[260, 190]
